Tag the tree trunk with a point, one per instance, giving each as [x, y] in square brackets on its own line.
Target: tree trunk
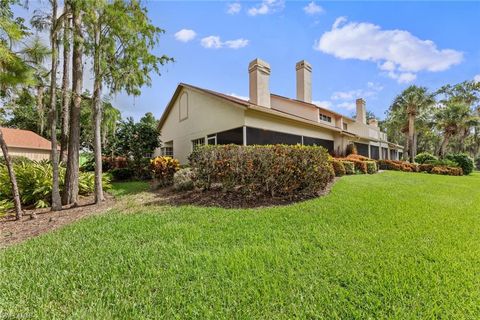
[443, 146]
[13, 179]
[40, 108]
[411, 134]
[65, 88]
[70, 194]
[56, 200]
[97, 118]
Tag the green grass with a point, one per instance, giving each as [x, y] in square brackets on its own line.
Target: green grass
[391, 245]
[129, 187]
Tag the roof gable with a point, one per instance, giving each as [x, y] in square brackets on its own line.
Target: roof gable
[25, 139]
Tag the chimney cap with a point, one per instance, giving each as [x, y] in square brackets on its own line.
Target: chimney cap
[303, 64]
[259, 64]
[360, 101]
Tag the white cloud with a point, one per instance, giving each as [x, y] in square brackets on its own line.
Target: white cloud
[266, 7]
[185, 35]
[234, 8]
[371, 91]
[214, 42]
[405, 77]
[397, 52]
[312, 8]
[236, 44]
[323, 104]
[211, 42]
[239, 96]
[477, 78]
[347, 105]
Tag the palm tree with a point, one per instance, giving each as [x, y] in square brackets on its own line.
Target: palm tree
[411, 102]
[13, 73]
[452, 120]
[35, 54]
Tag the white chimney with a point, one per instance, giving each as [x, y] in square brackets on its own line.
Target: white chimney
[373, 122]
[361, 111]
[304, 81]
[259, 76]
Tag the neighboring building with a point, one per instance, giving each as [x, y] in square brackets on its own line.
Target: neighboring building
[24, 143]
[196, 116]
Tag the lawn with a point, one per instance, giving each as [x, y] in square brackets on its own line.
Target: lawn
[129, 187]
[391, 245]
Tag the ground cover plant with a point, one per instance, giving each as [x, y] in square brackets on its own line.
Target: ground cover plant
[34, 180]
[399, 246]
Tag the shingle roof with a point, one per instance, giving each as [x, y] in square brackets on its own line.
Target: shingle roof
[25, 139]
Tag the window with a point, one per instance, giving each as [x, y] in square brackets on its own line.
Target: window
[325, 118]
[327, 144]
[183, 106]
[374, 152]
[212, 139]
[197, 143]
[345, 126]
[362, 149]
[166, 151]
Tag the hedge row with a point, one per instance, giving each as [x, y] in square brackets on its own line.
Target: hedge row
[354, 163]
[433, 168]
[274, 170]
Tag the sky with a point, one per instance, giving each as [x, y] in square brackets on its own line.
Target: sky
[371, 50]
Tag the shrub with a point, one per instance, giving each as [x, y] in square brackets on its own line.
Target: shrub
[398, 165]
[351, 149]
[359, 164]
[86, 183]
[443, 163]
[358, 157]
[477, 163]
[452, 171]
[183, 179]
[122, 174]
[426, 167]
[424, 157]
[371, 167]
[163, 169]
[274, 170]
[349, 166]
[34, 179]
[463, 161]
[338, 167]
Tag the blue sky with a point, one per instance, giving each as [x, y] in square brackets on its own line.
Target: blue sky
[357, 49]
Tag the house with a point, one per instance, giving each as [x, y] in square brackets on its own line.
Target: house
[25, 143]
[196, 116]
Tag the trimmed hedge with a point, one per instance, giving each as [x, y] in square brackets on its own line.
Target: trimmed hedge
[371, 167]
[436, 167]
[398, 165]
[463, 161]
[272, 170]
[451, 171]
[338, 167]
[425, 157]
[349, 166]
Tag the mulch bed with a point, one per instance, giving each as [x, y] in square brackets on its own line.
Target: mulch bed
[229, 200]
[13, 231]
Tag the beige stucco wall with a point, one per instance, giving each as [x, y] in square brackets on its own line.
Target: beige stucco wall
[206, 115]
[297, 109]
[33, 154]
[261, 120]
